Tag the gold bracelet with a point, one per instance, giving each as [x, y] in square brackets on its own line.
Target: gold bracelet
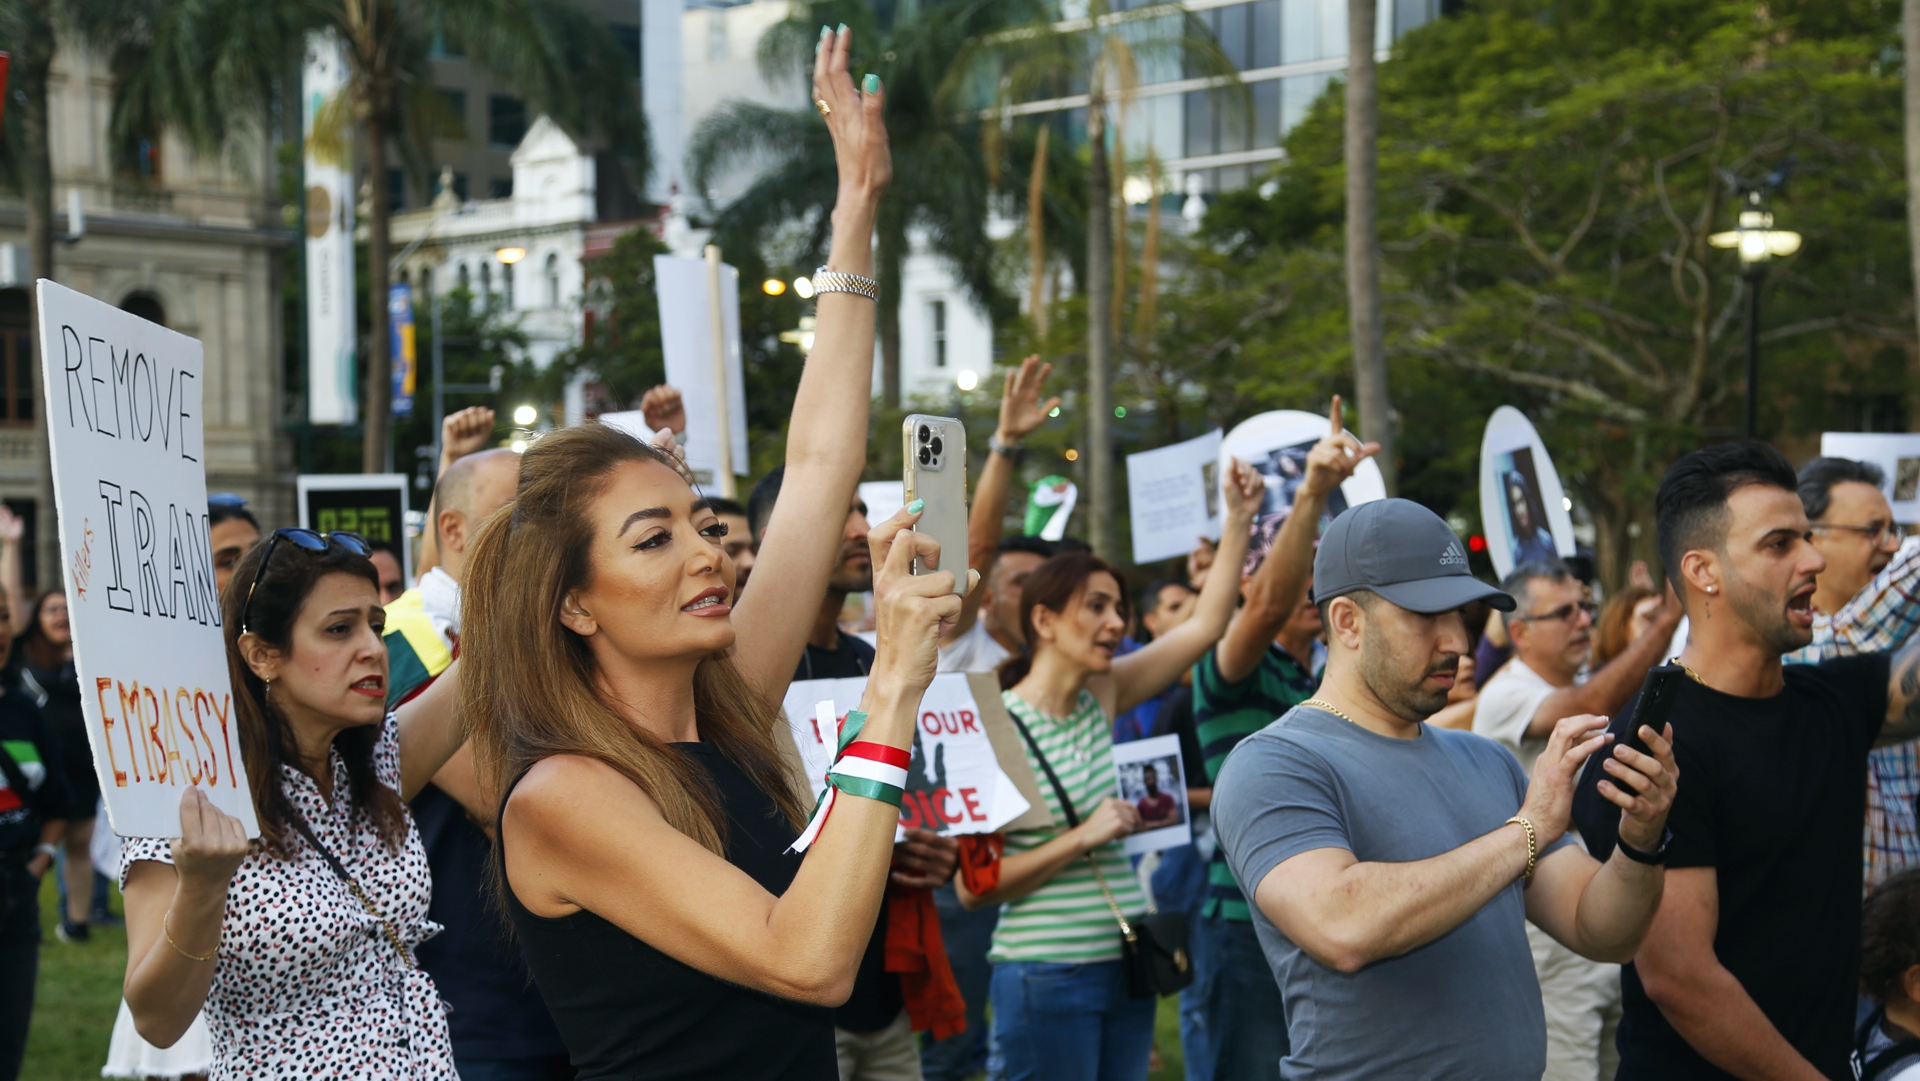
[166, 928]
[1533, 844]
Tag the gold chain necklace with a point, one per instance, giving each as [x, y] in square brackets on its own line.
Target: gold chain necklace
[1321, 703]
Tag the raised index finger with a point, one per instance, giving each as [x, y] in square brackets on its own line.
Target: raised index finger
[1333, 417]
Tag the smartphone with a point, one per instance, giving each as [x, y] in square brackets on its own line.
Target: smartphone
[936, 471]
[1655, 703]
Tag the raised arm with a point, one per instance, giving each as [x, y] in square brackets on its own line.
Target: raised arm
[1347, 914]
[827, 438]
[461, 434]
[1021, 411]
[1154, 667]
[430, 731]
[1278, 587]
[13, 531]
[584, 836]
[1903, 695]
[1609, 688]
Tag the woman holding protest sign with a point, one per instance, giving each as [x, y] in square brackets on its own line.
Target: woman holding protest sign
[648, 817]
[299, 946]
[1061, 1009]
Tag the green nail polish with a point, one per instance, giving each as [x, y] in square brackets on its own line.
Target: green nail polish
[917, 505]
[843, 28]
[871, 84]
[825, 32]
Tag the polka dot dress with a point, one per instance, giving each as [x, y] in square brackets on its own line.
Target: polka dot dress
[306, 984]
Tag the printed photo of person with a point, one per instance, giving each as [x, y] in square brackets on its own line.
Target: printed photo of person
[1528, 538]
[1283, 469]
[1153, 787]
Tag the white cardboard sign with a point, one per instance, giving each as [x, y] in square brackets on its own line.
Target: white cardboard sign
[1174, 497]
[123, 401]
[686, 344]
[1522, 506]
[1897, 455]
[1148, 773]
[954, 783]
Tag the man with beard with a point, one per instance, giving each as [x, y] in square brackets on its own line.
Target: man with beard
[1552, 632]
[1392, 866]
[1157, 809]
[872, 1031]
[1751, 966]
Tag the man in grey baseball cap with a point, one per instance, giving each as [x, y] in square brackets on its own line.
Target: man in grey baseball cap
[1392, 866]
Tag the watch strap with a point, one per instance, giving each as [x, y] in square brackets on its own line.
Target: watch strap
[1005, 450]
[1655, 858]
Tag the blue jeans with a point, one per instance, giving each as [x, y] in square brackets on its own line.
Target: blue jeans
[966, 936]
[1180, 885]
[1247, 1017]
[541, 1068]
[1064, 1022]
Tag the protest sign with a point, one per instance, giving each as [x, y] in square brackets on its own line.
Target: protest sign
[1276, 444]
[883, 498]
[1522, 507]
[125, 429]
[1174, 496]
[954, 780]
[686, 342]
[373, 505]
[1897, 455]
[1149, 775]
[1049, 507]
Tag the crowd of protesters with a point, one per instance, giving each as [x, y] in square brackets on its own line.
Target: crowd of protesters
[530, 816]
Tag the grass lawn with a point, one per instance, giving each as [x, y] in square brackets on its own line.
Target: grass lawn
[76, 999]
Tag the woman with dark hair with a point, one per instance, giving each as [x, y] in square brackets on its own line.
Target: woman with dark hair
[648, 816]
[1059, 994]
[42, 666]
[299, 946]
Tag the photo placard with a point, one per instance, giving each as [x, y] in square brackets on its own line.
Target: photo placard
[1523, 509]
[1148, 774]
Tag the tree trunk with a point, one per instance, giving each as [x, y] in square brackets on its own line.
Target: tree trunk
[1037, 238]
[30, 67]
[378, 374]
[1099, 335]
[890, 257]
[1910, 32]
[1363, 241]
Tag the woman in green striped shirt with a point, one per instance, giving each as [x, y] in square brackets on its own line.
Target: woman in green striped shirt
[1060, 1006]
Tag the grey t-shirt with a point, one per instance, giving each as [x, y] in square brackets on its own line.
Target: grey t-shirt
[1467, 1004]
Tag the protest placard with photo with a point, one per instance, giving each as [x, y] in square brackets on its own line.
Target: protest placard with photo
[1276, 445]
[1174, 496]
[1898, 456]
[954, 780]
[1148, 774]
[1523, 509]
[124, 416]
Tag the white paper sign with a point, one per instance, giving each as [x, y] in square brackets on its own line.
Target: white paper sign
[883, 498]
[1522, 506]
[123, 400]
[1174, 497]
[954, 782]
[1897, 455]
[686, 341]
[1150, 776]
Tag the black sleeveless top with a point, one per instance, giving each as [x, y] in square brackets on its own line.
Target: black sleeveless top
[628, 1011]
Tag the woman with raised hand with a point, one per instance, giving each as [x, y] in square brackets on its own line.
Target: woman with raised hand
[631, 723]
[300, 946]
[1060, 1006]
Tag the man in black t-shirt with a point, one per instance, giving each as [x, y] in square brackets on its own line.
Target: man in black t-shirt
[1750, 969]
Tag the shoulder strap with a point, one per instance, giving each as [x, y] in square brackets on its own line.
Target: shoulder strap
[299, 822]
[1059, 790]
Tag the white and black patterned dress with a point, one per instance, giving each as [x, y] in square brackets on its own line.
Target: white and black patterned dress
[306, 984]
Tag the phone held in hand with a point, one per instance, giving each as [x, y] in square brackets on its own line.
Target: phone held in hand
[1654, 704]
[935, 453]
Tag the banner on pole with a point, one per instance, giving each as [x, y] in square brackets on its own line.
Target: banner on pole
[125, 430]
[1523, 509]
[686, 343]
[400, 346]
[331, 333]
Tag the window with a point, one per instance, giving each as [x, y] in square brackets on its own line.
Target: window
[938, 313]
[397, 189]
[506, 121]
[629, 38]
[506, 283]
[454, 124]
[462, 278]
[499, 188]
[553, 279]
[17, 395]
[486, 279]
[146, 306]
[460, 186]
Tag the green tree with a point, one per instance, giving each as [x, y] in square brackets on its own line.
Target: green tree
[211, 66]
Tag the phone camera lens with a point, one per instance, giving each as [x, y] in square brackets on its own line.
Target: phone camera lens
[925, 433]
[925, 457]
[936, 446]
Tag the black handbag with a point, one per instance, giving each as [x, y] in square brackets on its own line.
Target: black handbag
[1154, 947]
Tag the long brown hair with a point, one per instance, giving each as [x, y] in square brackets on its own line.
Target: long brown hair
[1615, 631]
[1052, 586]
[528, 680]
[266, 736]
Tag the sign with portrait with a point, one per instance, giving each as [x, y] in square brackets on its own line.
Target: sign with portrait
[1276, 444]
[1523, 510]
[1898, 456]
[127, 434]
[1174, 496]
[373, 505]
[1148, 773]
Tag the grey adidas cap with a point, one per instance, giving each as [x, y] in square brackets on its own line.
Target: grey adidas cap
[1403, 552]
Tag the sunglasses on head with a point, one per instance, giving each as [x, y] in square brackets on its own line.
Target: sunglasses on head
[305, 539]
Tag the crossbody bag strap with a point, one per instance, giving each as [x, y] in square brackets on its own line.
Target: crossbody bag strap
[393, 936]
[1073, 820]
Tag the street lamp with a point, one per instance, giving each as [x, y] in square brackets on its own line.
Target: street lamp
[1758, 242]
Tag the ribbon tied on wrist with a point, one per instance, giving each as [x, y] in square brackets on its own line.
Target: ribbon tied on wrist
[869, 770]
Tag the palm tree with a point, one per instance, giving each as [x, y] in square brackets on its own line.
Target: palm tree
[1099, 55]
[212, 64]
[939, 182]
[1363, 239]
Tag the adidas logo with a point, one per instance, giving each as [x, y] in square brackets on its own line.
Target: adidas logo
[1453, 555]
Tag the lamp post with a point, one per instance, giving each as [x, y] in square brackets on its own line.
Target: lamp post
[1758, 242]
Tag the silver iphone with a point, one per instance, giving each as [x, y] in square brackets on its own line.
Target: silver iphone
[936, 471]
